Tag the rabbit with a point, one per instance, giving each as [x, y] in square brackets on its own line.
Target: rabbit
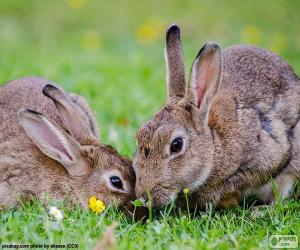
[49, 148]
[232, 131]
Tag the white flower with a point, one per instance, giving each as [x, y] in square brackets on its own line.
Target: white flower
[57, 214]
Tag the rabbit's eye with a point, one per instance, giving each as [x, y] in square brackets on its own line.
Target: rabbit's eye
[176, 145]
[116, 182]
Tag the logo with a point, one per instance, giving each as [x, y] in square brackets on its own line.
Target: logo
[283, 241]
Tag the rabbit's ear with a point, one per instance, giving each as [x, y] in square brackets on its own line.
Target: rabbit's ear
[205, 77]
[174, 64]
[53, 141]
[78, 127]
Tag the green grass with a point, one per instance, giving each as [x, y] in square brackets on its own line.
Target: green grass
[236, 228]
[111, 52]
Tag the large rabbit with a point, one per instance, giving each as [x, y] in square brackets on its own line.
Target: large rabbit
[233, 130]
[49, 148]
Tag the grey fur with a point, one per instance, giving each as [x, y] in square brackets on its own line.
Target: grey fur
[249, 137]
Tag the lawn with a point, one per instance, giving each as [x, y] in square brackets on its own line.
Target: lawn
[111, 52]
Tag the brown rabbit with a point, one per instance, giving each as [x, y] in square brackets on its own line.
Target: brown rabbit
[49, 147]
[232, 131]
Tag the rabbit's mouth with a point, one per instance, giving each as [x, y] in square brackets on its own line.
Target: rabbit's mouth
[161, 197]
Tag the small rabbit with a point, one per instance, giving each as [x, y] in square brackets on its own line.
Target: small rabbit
[49, 147]
[233, 131]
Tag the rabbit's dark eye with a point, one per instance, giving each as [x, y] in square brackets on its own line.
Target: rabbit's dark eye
[116, 182]
[176, 145]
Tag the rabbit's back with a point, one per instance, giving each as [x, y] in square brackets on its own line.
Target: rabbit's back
[24, 93]
[257, 77]
[264, 123]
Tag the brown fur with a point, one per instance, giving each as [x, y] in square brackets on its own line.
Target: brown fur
[86, 112]
[244, 132]
[26, 172]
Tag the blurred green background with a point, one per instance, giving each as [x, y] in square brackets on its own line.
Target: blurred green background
[112, 51]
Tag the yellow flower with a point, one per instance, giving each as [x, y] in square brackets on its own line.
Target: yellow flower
[186, 191]
[96, 205]
[76, 4]
[149, 32]
[251, 35]
[91, 41]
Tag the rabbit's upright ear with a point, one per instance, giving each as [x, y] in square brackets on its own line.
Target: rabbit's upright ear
[53, 141]
[205, 77]
[174, 64]
[78, 127]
